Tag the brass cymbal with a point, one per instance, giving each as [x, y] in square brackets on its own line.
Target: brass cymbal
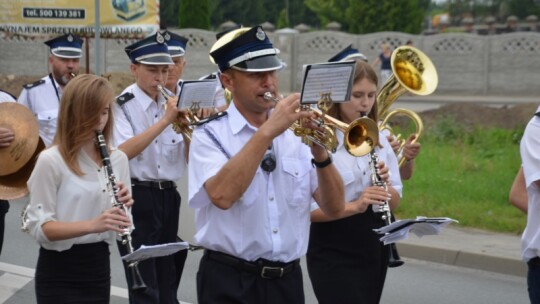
[13, 186]
[22, 121]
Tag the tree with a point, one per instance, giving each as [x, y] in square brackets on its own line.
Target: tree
[194, 14]
[369, 16]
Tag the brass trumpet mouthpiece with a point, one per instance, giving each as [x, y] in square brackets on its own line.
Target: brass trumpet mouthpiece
[72, 74]
[269, 97]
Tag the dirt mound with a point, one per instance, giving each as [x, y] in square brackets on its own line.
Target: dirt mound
[466, 114]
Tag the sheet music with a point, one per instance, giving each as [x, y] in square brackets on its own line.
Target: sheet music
[200, 92]
[399, 230]
[335, 78]
[147, 252]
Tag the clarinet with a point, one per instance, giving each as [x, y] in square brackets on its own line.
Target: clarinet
[137, 281]
[393, 255]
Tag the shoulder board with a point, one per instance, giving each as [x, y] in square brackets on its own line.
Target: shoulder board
[15, 98]
[210, 118]
[34, 84]
[122, 99]
[211, 76]
[537, 114]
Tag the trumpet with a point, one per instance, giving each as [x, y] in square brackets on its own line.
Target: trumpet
[354, 133]
[137, 281]
[412, 71]
[192, 118]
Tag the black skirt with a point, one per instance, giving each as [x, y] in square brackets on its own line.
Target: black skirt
[81, 274]
[346, 261]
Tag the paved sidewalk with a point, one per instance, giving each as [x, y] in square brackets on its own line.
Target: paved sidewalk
[470, 248]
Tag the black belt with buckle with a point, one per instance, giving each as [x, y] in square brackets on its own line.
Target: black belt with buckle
[534, 261]
[266, 269]
[154, 184]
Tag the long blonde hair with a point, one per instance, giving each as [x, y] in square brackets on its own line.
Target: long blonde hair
[363, 70]
[82, 103]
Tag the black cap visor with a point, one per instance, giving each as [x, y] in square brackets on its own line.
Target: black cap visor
[260, 64]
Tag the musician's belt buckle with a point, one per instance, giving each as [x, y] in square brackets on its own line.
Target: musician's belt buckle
[272, 272]
[160, 186]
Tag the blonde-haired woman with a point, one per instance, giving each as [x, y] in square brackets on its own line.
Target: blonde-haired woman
[70, 213]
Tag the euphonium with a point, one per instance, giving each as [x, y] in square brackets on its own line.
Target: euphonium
[354, 133]
[412, 71]
[192, 118]
[137, 281]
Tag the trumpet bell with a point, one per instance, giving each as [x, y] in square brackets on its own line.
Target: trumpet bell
[361, 136]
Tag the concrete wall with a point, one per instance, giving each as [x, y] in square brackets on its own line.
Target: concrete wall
[467, 64]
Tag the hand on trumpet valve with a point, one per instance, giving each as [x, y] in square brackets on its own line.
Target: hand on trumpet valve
[181, 122]
[284, 115]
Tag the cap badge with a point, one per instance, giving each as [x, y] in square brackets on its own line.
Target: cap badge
[70, 38]
[260, 34]
[167, 37]
[159, 38]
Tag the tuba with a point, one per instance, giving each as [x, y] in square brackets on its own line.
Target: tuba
[412, 71]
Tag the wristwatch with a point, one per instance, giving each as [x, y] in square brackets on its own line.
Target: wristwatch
[322, 164]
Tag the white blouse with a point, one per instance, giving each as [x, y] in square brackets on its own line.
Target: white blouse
[58, 194]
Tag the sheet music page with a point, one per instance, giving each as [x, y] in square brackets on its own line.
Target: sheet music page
[399, 230]
[197, 91]
[335, 78]
[147, 252]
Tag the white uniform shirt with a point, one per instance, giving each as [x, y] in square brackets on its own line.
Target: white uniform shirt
[164, 158]
[271, 220]
[5, 97]
[356, 172]
[58, 194]
[530, 157]
[43, 100]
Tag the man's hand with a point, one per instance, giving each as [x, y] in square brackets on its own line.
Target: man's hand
[6, 137]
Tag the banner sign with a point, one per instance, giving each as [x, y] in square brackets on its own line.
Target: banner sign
[118, 18]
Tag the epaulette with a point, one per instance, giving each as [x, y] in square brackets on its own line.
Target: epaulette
[122, 99]
[28, 86]
[210, 118]
[211, 76]
[15, 98]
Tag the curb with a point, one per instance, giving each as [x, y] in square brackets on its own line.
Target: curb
[462, 258]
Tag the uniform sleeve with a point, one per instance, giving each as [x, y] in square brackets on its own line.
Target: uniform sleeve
[43, 184]
[205, 161]
[122, 127]
[530, 152]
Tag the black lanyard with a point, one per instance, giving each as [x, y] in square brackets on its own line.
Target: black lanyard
[54, 86]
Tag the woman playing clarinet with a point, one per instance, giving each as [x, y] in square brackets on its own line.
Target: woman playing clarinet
[70, 213]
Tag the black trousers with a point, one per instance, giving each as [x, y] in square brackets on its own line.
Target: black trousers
[81, 274]
[155, 215]
[224, 284]
[4, 208]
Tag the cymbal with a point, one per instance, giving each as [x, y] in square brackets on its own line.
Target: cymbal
[13, 186]
[24, 124]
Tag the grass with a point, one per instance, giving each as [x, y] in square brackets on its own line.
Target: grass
[465, 175]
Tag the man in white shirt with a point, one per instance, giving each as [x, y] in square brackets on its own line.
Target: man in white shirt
[43, 96]
[157, 157]
[251, 181]
[530, 240]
